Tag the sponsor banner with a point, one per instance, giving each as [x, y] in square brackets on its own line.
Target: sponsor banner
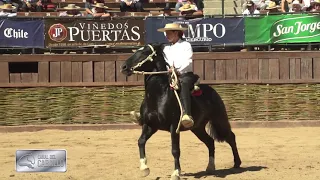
[279, 29]
[21, 33]
[201, 31]
[115, 32]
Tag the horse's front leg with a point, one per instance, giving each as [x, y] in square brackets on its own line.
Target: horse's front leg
[175, 140]
[147, 132]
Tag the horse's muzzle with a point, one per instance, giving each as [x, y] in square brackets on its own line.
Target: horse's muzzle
[125, 70]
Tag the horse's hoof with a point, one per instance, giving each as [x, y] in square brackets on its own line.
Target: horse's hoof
[145, 172]
[210, 170]
[237, 164]
[175, 177]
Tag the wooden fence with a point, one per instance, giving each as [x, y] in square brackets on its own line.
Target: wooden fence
[213, 68]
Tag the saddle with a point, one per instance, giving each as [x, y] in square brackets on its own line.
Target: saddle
[175, 85]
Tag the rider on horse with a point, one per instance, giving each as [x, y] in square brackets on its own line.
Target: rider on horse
[178, 54]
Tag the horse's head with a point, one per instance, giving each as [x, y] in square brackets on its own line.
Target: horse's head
[142, 60]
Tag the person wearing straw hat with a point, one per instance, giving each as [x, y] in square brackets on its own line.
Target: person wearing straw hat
[272, 7]
[188, 9]
[7, 10]
[178, 54]
[100, 10]
[71, 10]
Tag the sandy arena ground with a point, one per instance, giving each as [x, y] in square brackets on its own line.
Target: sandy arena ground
[267, 153]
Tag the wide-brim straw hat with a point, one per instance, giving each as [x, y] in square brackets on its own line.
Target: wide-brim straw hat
[8, 7]
[187, 7]
[71, 7]
[315, 2]
[272, 5]
[172, 27]
[100, 5]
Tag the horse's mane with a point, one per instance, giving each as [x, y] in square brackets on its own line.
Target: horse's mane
[160, 54]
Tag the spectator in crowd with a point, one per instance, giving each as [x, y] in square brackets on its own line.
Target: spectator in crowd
[99, 10]
[71, 10]
[198, 3]
[48, 5]
[166, 11]
[272, 7]
[306, 5]
[7, 10]
[31, 5]
[89, 5]
[286, 5]
[188, 9]
[315, 6]
[262, 4]
[131, 5]
[15, 3]
[296, 6]
[251, 9]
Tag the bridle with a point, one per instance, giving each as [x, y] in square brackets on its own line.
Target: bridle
[149, 58]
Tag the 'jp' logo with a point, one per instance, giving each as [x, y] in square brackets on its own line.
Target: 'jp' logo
[57, 32]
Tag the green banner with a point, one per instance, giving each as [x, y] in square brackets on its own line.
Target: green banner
[278, 29]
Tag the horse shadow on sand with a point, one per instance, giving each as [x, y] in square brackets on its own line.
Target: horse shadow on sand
[221, 173]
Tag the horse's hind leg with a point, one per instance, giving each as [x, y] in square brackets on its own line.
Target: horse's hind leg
[231, 140]
[209, 142]
[147, 132]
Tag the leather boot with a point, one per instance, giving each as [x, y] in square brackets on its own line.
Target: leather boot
[187, 120]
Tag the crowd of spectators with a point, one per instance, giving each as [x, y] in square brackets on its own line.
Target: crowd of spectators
[95, 8]
[253, 7]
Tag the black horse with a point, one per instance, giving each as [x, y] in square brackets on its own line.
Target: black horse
[160, 110]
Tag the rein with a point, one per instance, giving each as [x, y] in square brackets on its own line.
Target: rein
[174, 79]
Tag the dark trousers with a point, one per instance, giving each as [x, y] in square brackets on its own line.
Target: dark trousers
[187, 81]
[133, 7]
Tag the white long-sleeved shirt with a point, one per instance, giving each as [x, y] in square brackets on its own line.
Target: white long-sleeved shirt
[179, 55]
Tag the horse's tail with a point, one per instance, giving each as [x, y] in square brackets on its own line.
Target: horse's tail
[218, 126]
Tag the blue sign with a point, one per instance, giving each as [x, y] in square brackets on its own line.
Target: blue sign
[21, 33]
[201, 31]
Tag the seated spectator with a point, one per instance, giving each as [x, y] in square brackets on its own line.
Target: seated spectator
[15, 3]
[71, 10]
[166, 11]
[272, 7]
[179, 4]
[89, 5]
[286, 5]
[306, 5]
[131, 5]
[296, 6]
[99, 10]
[262, 4]
[188, 9]
[7, 10]
[48, 6]
[31, 5]
[251, 9]
[315, 6]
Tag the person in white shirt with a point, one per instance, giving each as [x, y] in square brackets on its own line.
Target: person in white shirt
[179, 55]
